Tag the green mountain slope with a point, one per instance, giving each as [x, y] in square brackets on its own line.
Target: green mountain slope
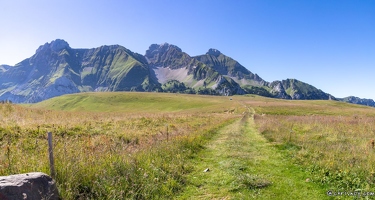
[357, 100]
[295, 89]
[227, 66]
[56, 69]
[300, 90]
[113, 68]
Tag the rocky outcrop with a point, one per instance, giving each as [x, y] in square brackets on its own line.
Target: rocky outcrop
[227, 87]
[357, 100]
[214, 52]
[277, 90]
[35, 185]
[170, 56]
[171, 59]
[295, 89]
[55, 46]
[227, 66]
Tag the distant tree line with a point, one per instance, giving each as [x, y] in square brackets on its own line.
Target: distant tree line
[174, 86]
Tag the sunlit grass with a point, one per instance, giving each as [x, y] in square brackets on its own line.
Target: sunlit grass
[112, 153]
[332, 140]
[142, 145]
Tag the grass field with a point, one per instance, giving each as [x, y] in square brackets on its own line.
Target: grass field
[156, 146]
[135, 102]
[331, 141]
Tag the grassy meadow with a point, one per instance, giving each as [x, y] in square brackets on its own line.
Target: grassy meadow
[332, 141]
[128, 145]
[112, 145]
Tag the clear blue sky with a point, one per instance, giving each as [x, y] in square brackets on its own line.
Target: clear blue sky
[327, 43]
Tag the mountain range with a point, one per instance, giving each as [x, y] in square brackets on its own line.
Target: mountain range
[57, 69]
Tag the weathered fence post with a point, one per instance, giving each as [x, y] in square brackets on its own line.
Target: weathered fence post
[167, 134]
[50, 154]
[8, 153]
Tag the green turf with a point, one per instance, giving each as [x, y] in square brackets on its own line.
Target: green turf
[131, 102]
[243, 165]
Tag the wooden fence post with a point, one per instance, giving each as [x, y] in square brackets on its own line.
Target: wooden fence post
[167, 134]
[50, 154]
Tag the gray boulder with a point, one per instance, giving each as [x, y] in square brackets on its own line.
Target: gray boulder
[30, 186]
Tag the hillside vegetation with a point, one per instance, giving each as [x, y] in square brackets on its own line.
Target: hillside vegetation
[156, 145]
[133, 102]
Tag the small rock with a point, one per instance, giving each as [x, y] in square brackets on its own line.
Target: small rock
[35, 185]
[307, 180]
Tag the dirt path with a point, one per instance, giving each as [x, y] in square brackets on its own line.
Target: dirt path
[243, 165]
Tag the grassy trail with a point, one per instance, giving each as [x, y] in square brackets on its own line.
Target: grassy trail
[243, 165]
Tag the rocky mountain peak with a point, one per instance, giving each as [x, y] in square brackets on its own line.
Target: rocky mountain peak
[170, 46]
[213, 52]
[59, 44]
[161, 49]
[166, 55]
[55, 45]
[357, 100]
[4, 68]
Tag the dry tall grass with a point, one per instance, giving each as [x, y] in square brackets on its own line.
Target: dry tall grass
[334, 142]
[105, 155]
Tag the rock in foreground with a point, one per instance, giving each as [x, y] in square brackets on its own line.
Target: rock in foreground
[35, 185]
